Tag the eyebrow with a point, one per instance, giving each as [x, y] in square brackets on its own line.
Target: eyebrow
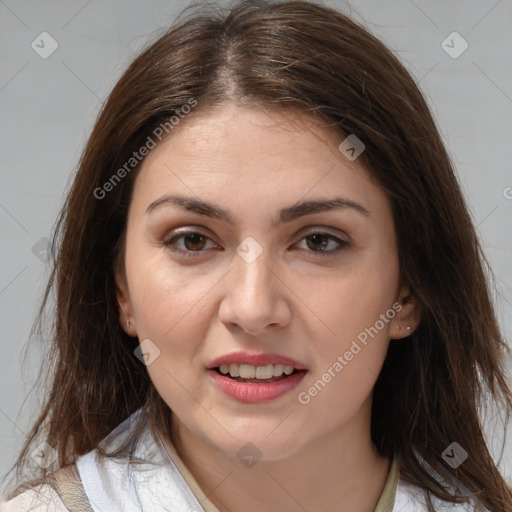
[287, 214]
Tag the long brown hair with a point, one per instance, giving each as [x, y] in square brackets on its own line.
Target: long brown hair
[309, 58]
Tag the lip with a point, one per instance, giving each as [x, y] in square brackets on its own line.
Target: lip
[242, 357]
[253, 393]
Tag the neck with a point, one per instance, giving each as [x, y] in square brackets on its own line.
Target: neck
[340, 468]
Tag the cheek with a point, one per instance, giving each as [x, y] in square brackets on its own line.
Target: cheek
[165, 296]
[355, 337]
[170, 312]
[353, 298]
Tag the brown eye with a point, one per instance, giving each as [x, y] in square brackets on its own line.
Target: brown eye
[324, 244]
[318, 241]
[194, 242]
[189, 242]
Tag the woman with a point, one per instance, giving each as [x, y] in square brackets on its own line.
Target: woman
[270, 295]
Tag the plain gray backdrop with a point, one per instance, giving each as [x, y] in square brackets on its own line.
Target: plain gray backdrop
[48, 103]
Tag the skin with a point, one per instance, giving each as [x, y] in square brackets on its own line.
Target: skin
[290, 300]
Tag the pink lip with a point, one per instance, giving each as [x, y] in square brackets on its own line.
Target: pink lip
[252, 393]
[242, 357]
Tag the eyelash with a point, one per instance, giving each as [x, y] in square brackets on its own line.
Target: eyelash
[170, 243]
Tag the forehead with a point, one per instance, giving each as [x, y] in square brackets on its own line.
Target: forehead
[253, 156]
[232, 132]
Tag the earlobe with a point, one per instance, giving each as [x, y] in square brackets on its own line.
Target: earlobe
[409, 316]
[125, 309]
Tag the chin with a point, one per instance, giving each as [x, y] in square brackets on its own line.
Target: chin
[256, 444]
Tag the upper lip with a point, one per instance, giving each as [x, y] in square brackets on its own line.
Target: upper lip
[263, 359]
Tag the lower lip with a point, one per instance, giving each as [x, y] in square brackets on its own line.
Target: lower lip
[254, 393]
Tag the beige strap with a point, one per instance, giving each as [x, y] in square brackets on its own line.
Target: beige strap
[67, 483]
[387, 498]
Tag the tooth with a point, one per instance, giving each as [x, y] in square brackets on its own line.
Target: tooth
[247, 371]
[278, 370]
[288, 370]
[265, 372]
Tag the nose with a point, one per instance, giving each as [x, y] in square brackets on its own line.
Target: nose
[255, 297]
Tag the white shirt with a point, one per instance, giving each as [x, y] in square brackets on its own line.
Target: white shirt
[157, 485]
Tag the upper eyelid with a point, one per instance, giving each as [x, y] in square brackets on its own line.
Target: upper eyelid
[184, 232]
[205, 232]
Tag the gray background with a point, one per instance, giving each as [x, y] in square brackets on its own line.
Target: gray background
[48, 106]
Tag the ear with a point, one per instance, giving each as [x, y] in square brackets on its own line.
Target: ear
[125, 310]
[408, 315]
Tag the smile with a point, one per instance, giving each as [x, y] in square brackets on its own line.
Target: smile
[251, 373]
[254, 378]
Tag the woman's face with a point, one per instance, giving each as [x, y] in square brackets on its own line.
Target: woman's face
[229, 256]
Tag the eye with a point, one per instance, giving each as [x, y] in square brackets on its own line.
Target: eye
[318, 243]
[188, 243]
[193, 243]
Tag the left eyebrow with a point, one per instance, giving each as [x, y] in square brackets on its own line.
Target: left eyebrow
[287, 214]
[308, 207]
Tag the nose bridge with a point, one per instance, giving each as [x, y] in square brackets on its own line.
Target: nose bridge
[253, 296]
[252, 278]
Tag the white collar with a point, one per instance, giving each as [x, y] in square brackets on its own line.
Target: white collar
[118, 485]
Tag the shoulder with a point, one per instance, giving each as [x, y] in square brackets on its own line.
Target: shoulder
[55, 492]
[42, 498]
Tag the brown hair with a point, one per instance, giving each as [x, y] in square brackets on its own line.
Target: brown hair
[308, 58]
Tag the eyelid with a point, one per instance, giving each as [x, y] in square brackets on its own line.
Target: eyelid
[186, 230]
[318, 230]
[342, 243]
[181, 233]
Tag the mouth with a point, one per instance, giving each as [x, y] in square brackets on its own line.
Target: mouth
[249, 373]
[255, 378]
